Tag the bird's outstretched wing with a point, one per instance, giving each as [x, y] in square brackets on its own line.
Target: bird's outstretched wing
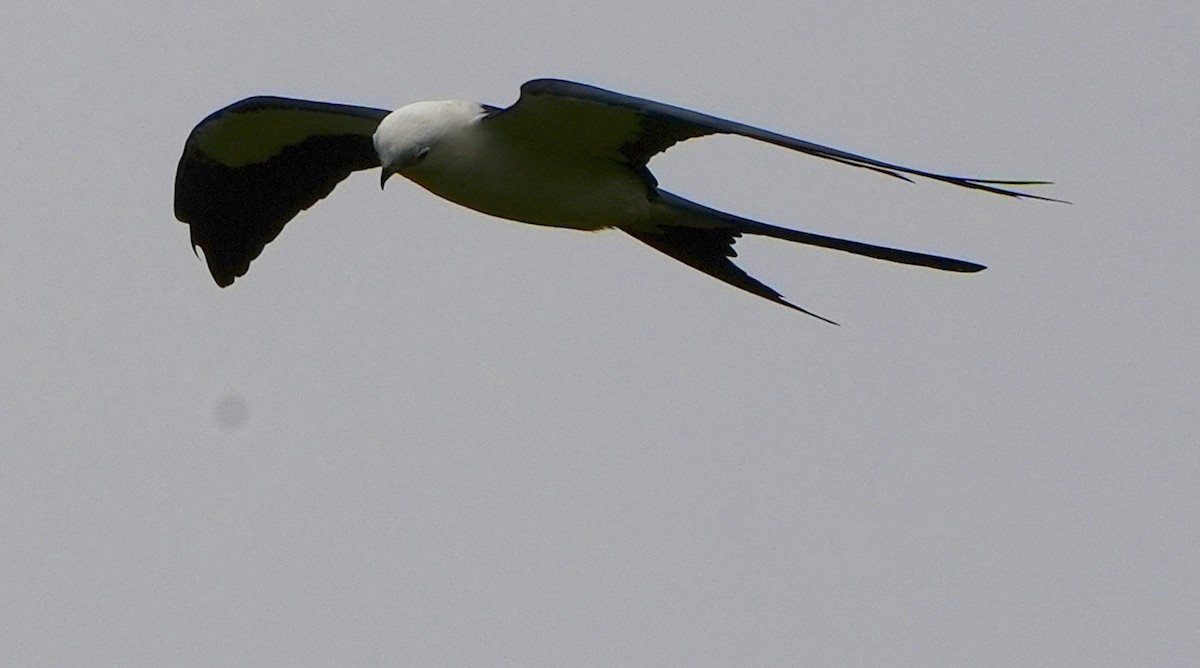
[596, 121]
[249, 168]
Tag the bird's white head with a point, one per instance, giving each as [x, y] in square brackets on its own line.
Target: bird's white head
[406, 136]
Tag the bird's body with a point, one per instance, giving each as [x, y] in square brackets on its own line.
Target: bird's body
[501, 175]
[565, 155]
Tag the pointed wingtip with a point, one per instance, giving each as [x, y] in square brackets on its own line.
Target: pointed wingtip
[992, 186]
[781, 300]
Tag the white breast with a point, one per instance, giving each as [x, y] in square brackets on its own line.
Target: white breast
[503, 177]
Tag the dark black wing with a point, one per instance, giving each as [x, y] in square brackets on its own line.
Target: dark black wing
[592, 121]
[595, 121]
[249, 168]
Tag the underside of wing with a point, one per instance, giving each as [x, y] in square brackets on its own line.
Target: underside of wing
[602, 121]
[249, 168]
[593, 121]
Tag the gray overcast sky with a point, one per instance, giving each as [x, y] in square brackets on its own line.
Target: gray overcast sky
[416, 435]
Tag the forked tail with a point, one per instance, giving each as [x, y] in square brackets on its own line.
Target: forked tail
[703, 238]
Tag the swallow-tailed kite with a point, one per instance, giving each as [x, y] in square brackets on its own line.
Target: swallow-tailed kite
[564, 155]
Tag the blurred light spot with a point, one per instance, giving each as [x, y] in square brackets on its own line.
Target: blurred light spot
[231, 411]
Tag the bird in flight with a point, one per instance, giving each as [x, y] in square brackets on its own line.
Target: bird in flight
[564, 155]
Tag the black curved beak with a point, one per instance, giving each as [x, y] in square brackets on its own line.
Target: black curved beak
[387, 174]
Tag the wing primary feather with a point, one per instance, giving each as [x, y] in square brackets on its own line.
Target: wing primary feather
[670, 124]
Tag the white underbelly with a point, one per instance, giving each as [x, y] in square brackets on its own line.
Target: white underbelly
[533, 188]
